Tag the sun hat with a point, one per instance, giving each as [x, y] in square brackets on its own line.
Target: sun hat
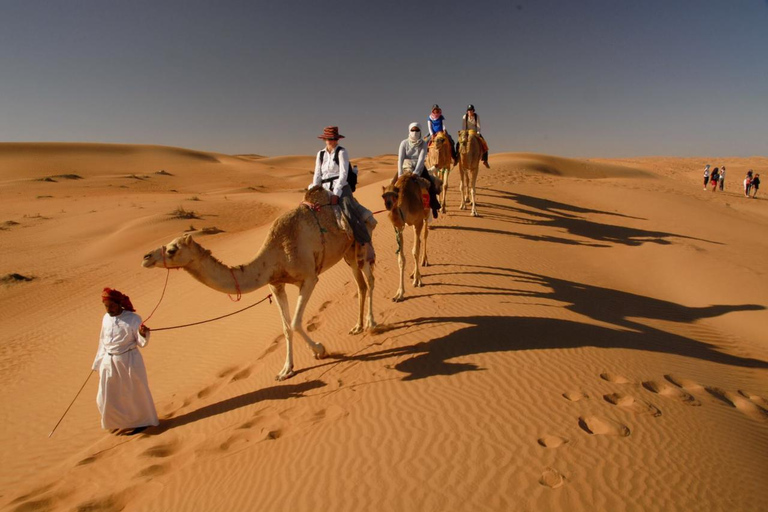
[331, 133]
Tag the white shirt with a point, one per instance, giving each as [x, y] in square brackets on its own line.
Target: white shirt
[119, 334]
[471, 124]
[329, 169]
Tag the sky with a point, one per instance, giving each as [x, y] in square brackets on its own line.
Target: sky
[578, 78]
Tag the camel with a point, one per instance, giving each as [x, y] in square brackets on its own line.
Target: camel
[407, 202]
[300, 245]
[470, 151]
[439, 161]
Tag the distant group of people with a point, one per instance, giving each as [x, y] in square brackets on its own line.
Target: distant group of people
[751, 183]
[716, 178]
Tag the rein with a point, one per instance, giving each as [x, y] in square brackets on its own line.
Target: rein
[315, 209]
[268, 297]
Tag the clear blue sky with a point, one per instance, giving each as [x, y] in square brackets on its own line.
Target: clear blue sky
[568, 77]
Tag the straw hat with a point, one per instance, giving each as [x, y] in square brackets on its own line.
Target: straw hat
[331, 133]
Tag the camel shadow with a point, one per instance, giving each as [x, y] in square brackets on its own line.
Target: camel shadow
[280, 392]
[616, 308]
[566, 217]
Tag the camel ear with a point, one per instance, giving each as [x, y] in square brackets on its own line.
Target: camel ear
[186, 238]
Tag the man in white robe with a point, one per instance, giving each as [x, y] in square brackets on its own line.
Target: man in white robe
[124, 399]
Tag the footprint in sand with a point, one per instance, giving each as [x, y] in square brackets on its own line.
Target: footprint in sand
[151, 471]
[740, 402]
[686, 384]
[575, 396]
[228, 371]
[242, 374]
[613, 377]
[161, 450]
[755, 399]
[111, 503]
[550, 441]
[629, 403]
[664, 389]
[551, 478]
[603, 427]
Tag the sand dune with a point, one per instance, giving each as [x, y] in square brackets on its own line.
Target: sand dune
[593, 341]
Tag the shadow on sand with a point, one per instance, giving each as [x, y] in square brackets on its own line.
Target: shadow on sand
[495, 334]
[562, 217]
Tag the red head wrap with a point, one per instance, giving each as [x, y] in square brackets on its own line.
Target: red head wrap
[118, 298]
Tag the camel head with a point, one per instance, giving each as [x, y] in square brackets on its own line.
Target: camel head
[177, 254]
[389, 195]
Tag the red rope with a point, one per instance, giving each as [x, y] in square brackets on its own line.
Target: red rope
[268, 297]
[168, 273]
[237, 287]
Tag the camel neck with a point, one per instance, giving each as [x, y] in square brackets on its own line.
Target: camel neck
[231, 280]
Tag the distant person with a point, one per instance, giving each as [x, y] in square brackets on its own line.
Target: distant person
[706, 176]
[471, 121]
[713, 178]
[748, 183]
[124, 399]
[755, 185]
[436, 124]
[331, 172]
[411, 157]
[722, 178]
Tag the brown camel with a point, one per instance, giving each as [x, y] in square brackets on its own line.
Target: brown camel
[300, 245]
[439, 161]
[470, 151]
[407, 201]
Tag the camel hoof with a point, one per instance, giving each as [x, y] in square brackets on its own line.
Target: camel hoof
[284, 376]
[474, 214]
[397, 298]
[356, 330]
[418, 284]
[425, 263]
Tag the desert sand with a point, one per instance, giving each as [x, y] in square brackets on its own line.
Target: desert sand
[595, 340]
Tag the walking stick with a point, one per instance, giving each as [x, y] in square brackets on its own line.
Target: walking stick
[70, 405]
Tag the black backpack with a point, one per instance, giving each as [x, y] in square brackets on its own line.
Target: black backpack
[351, 174]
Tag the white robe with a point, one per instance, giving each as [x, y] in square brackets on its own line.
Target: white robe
[124, 399]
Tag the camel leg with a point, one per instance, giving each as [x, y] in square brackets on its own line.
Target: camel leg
[462, 187]
[401, 262]
[473, 180]
[370, 281]
[416, 248]
[278, 291]
[305, 292]
[425, 231]
[444, 175]
[362, 292]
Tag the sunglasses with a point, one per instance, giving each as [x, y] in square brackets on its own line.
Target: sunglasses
[415, 130]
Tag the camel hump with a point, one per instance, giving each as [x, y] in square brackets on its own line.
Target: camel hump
[411, 179]
[317, 195]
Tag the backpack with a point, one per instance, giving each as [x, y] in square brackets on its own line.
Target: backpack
[351, 171]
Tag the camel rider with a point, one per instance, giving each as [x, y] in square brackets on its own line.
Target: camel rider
[331, 171]
[411, 157]
[471, 121]
[436, 124]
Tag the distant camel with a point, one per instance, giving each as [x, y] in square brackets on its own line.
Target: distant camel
[408, 203]
[300, 245]
[440, 161]
[470, 151]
